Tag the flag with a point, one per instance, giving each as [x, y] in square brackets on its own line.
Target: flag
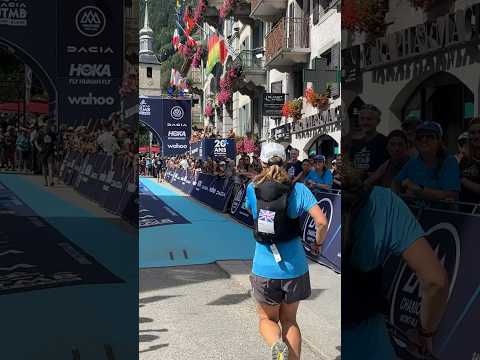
[216, 52]
[188, 21]
[191, 42]
[175, 39]
[175, 77]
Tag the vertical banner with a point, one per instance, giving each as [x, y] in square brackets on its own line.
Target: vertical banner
[177, 129]
[90, 67]
[150, 113]
[331, 251]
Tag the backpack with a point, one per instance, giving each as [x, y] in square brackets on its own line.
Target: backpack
[362, 291]
[272, 224]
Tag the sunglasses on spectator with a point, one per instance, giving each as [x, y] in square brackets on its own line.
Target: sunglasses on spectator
[430, 137]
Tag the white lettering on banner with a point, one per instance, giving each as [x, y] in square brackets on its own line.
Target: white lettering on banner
[177, 146]
[144, 108]
[220, 147]
[91, 100]
[90, 21]
[13, 13]
[72, 49]
[177, 133]
[17, 280]
[92, 70]
[176, 124]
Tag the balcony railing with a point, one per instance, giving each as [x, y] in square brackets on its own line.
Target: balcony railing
[288, 34]
[250, 62]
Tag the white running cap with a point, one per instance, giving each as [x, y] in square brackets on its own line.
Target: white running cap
[270, 150]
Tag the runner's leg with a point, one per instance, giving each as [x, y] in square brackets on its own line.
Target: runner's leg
[290, 331]
[269, 327]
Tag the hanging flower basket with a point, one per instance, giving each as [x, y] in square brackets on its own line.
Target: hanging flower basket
[227, 8]
[293, 109]
[320, 101]
[200, 10]
[197, 57]
[364, 16]
[224, 96]
[209, 111]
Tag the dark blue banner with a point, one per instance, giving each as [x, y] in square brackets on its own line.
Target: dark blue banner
[212, 190]
[238, 210]
[219, 149]
[454, 238]
[154, 212]
[171, 120]
[330, 203]
[52, 262]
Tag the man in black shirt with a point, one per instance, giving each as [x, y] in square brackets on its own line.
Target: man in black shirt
[369, 152]
[293, 166]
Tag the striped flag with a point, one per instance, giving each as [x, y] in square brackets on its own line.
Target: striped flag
[217, 52]
[175, 39]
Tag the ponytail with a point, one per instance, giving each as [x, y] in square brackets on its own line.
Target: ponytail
[272, 173]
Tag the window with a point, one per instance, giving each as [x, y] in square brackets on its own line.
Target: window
[276, 87]
[149, 72]
[316, 11]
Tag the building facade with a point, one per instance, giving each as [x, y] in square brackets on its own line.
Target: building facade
[426, 65]
[149, 66]
[283, 48]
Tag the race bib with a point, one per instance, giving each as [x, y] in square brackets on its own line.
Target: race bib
[266, 221]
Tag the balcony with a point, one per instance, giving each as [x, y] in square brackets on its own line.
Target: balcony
[288, 44]
[253, 68]
[268, 10]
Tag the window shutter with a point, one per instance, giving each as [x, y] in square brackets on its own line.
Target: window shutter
[335, 65]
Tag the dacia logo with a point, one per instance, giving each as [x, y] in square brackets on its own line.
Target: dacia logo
[71, 49]
[90, 70]
[90, 21]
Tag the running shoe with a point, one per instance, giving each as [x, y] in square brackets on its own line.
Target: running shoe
[279, 351]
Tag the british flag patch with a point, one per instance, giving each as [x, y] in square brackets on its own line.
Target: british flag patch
[265, 221]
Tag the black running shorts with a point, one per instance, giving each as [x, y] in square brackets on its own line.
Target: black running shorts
[277, 291]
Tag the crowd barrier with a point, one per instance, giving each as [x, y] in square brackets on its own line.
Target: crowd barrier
[452, 234]
[109, 181]
[229, 195]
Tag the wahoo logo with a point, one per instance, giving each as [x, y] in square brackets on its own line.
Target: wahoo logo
[177, 133]
[406, 300]
[177, 146]
[91, 100]
[144, 108]
[90, 70]
[90, 21]
[71, 49]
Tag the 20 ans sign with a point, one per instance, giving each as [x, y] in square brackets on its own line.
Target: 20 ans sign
[406, 300]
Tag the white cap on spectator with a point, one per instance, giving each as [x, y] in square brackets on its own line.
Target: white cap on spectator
[269, 150]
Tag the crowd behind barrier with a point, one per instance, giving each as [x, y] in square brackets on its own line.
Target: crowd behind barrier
[451, 233]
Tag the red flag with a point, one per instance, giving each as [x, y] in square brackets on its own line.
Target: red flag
[175, 39]
[188, 21]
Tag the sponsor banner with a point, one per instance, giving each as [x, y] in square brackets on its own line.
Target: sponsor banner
[212, 190]
[90, 43]
[177, 128]
[238, 210]
[33, 265]
[330, 256]
[154, 212]
[196, 150]
[87, 102]
[219, 149]
[453, 237]
[14, 13]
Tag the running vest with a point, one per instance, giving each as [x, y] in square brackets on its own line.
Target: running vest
[272, 224]
[362, 294]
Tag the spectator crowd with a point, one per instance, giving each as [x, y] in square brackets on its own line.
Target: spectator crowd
[39, 146]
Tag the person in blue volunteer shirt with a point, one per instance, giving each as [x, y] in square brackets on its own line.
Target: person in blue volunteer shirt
[280, 276]
[377, 224]
[320, 177]
[433, 174]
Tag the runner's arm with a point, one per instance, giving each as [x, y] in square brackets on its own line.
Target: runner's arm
[433, 279]
[321, 223]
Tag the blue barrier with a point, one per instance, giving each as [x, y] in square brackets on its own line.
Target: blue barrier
[226, 195]
[109, 181]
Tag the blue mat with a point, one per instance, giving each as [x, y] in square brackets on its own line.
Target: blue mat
[31, 265]
[48, 323]
[210, 237]
[154, 212]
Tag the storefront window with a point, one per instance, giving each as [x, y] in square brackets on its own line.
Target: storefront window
[324, 145]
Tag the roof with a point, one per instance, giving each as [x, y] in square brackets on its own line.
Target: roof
[148, 59]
